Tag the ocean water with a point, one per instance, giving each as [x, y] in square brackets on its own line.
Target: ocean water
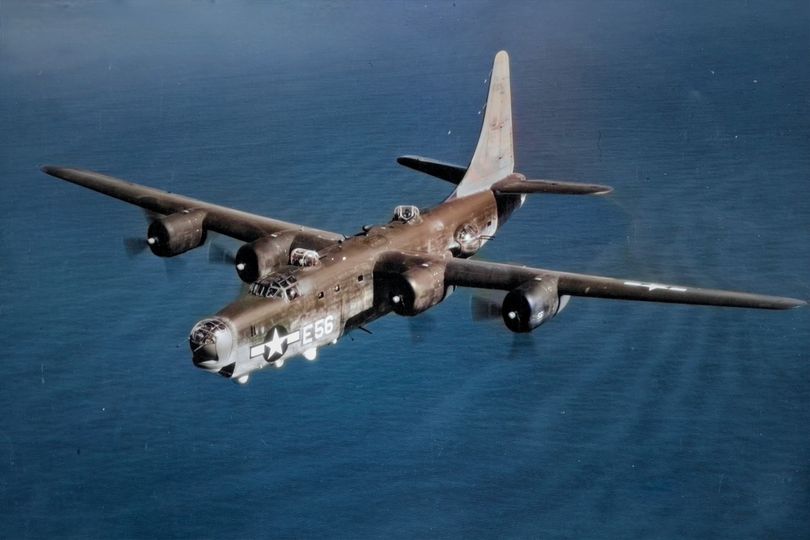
[615, 420]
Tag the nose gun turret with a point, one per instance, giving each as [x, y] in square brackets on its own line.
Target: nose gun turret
[211, 342]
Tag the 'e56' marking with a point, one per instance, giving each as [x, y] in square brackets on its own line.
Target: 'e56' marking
[318, 329]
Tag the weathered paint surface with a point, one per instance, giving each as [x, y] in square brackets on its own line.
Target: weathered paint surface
[309, 287]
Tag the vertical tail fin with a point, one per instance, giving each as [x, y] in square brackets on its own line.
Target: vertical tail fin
[494, 157]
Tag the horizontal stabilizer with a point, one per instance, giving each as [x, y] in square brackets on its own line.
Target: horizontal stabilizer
[517, 183]
[445, 171]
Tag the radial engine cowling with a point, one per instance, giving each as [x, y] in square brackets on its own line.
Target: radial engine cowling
[418, 288]
[177, 233]
[531, 304]
[262, 256]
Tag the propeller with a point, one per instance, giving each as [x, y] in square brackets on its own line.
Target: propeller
[175, 269]
[134, 246]
[218, 254]
[420, 326]
[486, 306]
[523, 345]
[174, 266]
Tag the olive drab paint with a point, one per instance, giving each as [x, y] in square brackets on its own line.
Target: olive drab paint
[308, 287]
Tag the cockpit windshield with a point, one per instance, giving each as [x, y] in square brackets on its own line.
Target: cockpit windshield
[276, 285]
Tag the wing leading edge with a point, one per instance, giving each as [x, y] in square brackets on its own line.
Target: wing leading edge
[487, 275]
[234, 223]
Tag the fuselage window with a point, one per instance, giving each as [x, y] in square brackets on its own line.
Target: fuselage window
[360, 277]
[320, 294]
[337, 288]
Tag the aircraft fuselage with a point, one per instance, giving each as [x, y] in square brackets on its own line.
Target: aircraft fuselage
[348, 287]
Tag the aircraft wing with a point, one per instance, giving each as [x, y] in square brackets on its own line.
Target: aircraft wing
[234, 223]
[488, 275]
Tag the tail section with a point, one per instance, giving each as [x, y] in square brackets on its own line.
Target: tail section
[493, 163]
[445, 171]
[494, 157]
[517, 184]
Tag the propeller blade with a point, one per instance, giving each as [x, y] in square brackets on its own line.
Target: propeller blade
[174, 267]
[135, 246]
[486, 306]
[523, 345]
[220, 255]
[420, 326]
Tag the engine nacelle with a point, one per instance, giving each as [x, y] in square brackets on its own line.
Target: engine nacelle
[264, 255]
[177, 233]
[531, 304]
[261, 256]
[418, 288]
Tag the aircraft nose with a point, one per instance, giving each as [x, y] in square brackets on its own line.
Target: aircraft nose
[211, 342]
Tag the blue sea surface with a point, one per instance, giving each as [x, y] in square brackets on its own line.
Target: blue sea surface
[615, 420]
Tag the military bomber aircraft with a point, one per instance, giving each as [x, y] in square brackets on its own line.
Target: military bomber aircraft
[308, 287]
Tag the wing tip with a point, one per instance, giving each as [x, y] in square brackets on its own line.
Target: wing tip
[773, 302]
[56, 170]
[782, 302]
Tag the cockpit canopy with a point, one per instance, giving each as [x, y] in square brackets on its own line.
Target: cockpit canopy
[276, 285]
[406, 213]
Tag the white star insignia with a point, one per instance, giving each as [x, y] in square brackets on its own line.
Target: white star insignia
[274, 346]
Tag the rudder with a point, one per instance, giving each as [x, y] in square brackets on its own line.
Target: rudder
[494, 157]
